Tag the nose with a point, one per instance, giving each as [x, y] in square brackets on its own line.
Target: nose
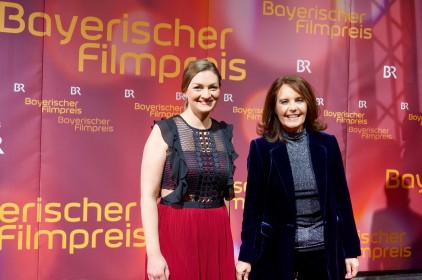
[206, 93]
[292, 107]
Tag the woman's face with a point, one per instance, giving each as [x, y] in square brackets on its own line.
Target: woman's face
[291, 109]
[203, 92]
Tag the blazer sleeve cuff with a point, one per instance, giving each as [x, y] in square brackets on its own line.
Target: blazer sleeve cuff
[247, 255]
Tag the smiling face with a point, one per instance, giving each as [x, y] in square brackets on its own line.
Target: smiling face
[291, 109]
[203, 92]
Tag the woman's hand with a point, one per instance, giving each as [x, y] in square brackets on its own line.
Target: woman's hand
[242, 270]
[157, 268]
[352, 265]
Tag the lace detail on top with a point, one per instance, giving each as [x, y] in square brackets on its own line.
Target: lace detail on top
[199, 166]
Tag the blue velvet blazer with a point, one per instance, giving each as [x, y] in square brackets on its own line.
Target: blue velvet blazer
[269, 224]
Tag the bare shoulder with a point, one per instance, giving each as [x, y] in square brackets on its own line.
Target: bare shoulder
[155, 139]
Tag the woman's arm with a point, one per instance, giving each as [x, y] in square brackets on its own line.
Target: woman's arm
[227, 203]
[152, 167]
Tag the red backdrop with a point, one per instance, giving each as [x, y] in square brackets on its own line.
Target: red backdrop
[81, 83]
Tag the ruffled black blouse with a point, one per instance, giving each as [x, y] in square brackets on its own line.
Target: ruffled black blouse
[200, 163]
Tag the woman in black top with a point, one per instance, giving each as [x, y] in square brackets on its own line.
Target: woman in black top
[188, 165]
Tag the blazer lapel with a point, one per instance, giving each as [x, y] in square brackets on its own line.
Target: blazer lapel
[281, 164]
[320, 166]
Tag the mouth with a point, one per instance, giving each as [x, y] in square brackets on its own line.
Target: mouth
[206, 102]
[293, 117]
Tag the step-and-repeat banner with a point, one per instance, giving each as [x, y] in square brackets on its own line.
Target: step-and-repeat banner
[81, 83]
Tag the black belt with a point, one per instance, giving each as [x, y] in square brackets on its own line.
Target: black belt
[194, 204]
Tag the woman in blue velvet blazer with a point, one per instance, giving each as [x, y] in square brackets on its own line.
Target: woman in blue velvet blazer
[298, 218]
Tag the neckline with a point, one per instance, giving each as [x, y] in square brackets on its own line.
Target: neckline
[195, 128]
[294, 136]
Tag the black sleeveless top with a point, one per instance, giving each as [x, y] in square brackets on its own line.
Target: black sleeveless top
[199, 166]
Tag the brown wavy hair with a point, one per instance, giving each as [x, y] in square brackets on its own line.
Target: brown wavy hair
[270, 126]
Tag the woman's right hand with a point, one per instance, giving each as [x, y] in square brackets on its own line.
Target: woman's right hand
[242, 270]
[157, 268]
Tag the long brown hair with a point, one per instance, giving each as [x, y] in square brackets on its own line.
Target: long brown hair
[270, 126]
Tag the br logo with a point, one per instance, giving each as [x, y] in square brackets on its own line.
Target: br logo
[303, 65]
[390, 71]
[129, 93]
[75, 91]
[18, 87]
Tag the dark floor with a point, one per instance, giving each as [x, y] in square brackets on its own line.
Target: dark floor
[399, 275]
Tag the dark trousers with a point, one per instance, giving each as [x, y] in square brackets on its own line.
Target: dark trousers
[311, 265]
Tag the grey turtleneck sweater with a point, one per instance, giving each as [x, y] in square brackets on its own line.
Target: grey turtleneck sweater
[310, 231]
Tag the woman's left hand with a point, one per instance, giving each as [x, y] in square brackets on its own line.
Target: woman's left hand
[242, 270]
[352, 265]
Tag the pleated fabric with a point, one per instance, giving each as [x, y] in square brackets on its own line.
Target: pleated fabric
[196, 243]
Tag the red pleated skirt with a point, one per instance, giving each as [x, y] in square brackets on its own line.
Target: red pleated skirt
[196, 243]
